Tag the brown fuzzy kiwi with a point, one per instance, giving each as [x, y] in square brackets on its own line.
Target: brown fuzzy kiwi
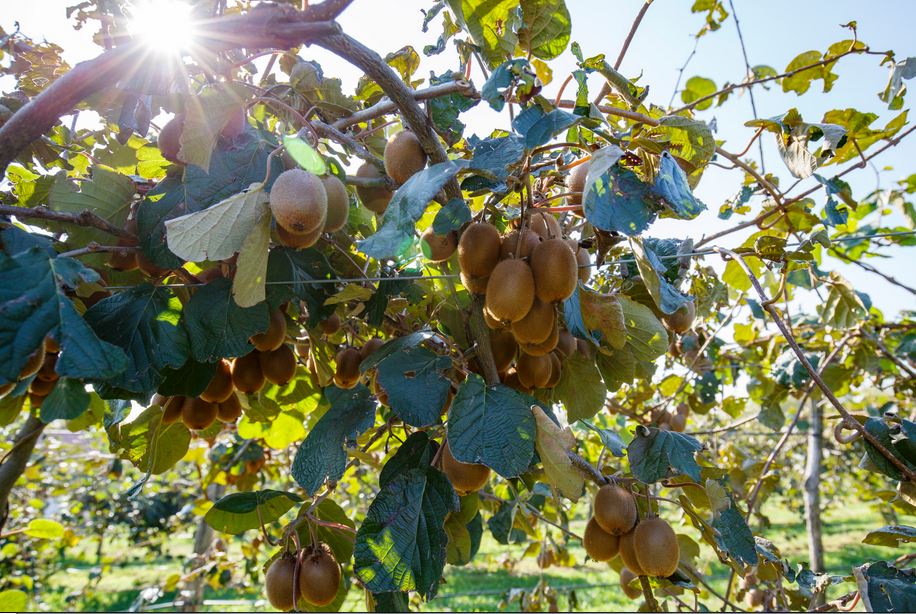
[491, 322]
[575, 182]
[511, 244]
[438, 248]
[149, 268]
[47, 371]
[556, 369]
[537, 324]
[123, 261]
[220, 387]
[615, 509]
[583, 263]
[510, 291]
[656, 547]
[628, 553]
[681, 320]
[598, 543]
[533, 371]
[279, 365]
[370, 347]
[42, 387]
[678, 422]
[404, 156]
[274, 336]
[172, 409]
[374, 199]
[170, 139]
[475, 285]
[319, 575]
[198, 414]
[566, 343]
[544, 224]
[229, 410]
[504, 349]
[6, 388]
[299, 202]
[511, 380]
[338, 203]
[544, 347]
[288, 239]
[465, 477]
[478, 249]
[51, 345]
[246, 373]
[33, 363]
[555, 271]
[330, 324]
[631, 590]
[347, 373]
[279, 583]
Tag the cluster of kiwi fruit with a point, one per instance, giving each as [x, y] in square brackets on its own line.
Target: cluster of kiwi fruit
[39, 366]
[272, 359]
[217, 402]
[647, 546]
[348, 360]
[523, 275]
[404, 156]
[306, 205]
[319, 578]
[169, 140]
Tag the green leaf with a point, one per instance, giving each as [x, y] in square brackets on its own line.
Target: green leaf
[67, 400]
[417, 386]
[619, 201]
[580, 388]
[33, 304]
[552, 444]
[407, 206]
[458, 551]
[881, 432]
[340, 540]
[42, 528]
[217, 327]
[843, 308]
[603, 317]
[295, 268]
[647, 338]
[734, 536]
[491, 425]
[891, 536]
[241, 511]
[539, 128]
[13, 600]
[249, 286]
[393, 346]
[655, 455]
[452, 216]
[418, 450]
[304, 155]
[188, 380]
[667, 298]
[697, 87]
[801, 81]
[546, 28]
[444, 110]
[144, 322]
[322, 456]
[205, 116]
[147, 443]
[106, 193]
[884, 588]
[492, 25]
[218, 232]
[672, 187]
[609, 439]
[401, 545]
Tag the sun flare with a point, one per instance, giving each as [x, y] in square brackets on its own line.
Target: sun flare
[163, 25]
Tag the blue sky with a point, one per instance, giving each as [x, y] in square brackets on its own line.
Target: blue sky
[775, 32]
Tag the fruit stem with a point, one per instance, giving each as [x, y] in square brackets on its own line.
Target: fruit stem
[651, 603]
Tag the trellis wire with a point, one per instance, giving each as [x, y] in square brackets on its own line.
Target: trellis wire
[703, 252]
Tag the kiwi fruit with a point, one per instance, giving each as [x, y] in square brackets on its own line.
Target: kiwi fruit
[41, 387]
[533, 371]
[576, 183]
[170, 139]
[465, 477]
[51, 345]
[544, 224]
[555, 270]
[656, 547]
[478, 249]
[491, 322]
[677, 422]
[279, 365]
[584, 264]
[147, 266]
[511, 244]
[47, 371]
[566, 343]
[247, 376]
[338, 203]
[235, 125]
[556, 369]
[229, 410]
[288, 239]
[510, 290]
[628, 553]
[681, 320]
[615, 509]
[123, 261]
[33, 363]
[330, 324]
[546, 346]
[299, 202]
[756, 597]
[347, 373]
[374, 199]
[404, 156]
[370, 347]
[537, 324]
[598, 543]
[274, 336]
[438, 248]
[278, 583]
[475, 285]
[220, 387]
[319, 575]
[504, 349]
[198, 414]
[173, 408]
[633, 591]
[511, 380]
[6, 388]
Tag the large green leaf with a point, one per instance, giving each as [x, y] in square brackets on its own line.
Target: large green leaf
[401, 545]
[647, 338]
[145, 322]
[418, 450]
[13, 600]
[655, 455]
[546, 28]
[667, 298]
[106, 193]
[33, 304]
[884, 588]
[67, 400]
[322, 456]
[238, 512]
[492, 25]
[580, 388]
[491, 425]
[147, 443]
[417, 386]
[602, 317]
[673, 190]
[619, 201]
[734, 536]
[217, 327]
[891, 536]
[296, 268]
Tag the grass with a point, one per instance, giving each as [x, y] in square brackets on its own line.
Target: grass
[482, 585]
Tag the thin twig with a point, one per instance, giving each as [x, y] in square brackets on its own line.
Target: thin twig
[84, 218]
[605, 87]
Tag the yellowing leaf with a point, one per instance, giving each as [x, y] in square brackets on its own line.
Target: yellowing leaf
[248, 285]
[13, 601]
[352, 292]
[220, 231]
[42, 528]
[286, 429]
[552, 443]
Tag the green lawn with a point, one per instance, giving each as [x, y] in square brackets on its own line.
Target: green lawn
[482, 585]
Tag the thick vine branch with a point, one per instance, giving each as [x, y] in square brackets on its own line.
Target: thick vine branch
[330, 132]
[85, 218]
[16, 461]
